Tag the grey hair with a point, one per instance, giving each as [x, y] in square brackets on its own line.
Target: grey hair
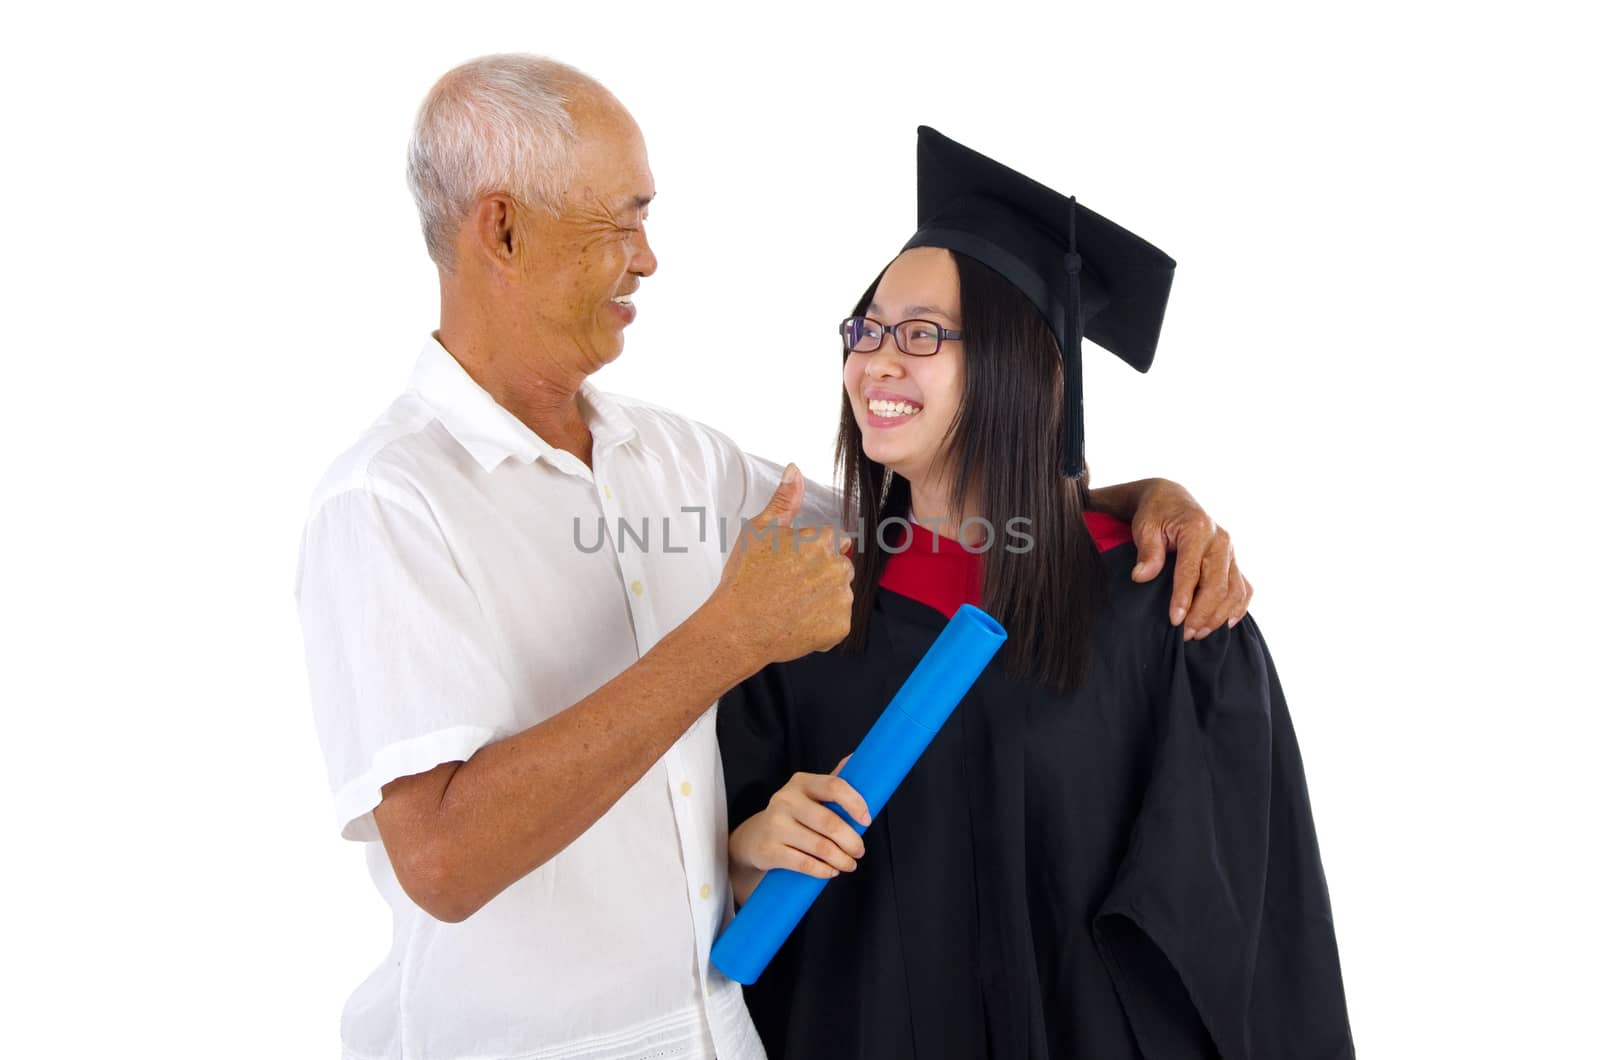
[496, 124]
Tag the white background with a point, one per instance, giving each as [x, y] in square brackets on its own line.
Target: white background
[1377, 370]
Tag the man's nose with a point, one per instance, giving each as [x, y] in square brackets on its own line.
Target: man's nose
[644, 259]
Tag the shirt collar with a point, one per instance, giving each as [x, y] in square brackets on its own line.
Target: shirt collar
[489, 432]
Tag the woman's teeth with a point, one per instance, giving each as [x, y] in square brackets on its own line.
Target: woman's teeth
[623, 300]
[892, 409]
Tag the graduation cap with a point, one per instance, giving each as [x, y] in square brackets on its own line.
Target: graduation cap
[1088, 277]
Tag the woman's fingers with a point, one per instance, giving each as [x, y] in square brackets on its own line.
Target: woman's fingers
[795, 861]
[830, 827]
[830, 788]
[802, 827]
[820, 822]
[825, 849]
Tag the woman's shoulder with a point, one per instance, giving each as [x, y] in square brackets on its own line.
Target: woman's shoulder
[1136, 623]
[1109, 532]
[1132, 607]
[1113, 539]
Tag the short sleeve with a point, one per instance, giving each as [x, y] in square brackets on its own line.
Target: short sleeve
[403, 671]
[747, 482]
[1218, 932]
[819, 507]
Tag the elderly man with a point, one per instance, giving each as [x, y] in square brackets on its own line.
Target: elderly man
[517, 722]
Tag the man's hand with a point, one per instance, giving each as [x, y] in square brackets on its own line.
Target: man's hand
[798, 831]
[1169, 518]
[785, 592]
[462, 832]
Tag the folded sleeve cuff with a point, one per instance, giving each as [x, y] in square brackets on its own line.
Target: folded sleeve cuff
[354, 801]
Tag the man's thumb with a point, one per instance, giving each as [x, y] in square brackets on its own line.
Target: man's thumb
[785, 502]
[1152, 554]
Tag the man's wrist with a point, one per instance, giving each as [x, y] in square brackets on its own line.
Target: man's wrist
[721, 636]
[1121, 501]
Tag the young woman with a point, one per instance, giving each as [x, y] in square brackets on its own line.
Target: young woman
[1108, 850]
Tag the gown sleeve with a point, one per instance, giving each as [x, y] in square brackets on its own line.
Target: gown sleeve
[1218, 932]
[752, 721]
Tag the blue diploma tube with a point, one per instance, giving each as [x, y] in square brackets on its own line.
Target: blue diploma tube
[887, 753]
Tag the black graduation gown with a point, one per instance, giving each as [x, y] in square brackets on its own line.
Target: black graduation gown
[1127, 871]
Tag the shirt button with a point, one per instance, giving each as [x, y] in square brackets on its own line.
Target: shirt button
[637, 586]
[705, 890]
[687, 789]
[608, 491]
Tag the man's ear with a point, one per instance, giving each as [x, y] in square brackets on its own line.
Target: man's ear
[493, 226]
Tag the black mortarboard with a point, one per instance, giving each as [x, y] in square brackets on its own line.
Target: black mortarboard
[1088, 277]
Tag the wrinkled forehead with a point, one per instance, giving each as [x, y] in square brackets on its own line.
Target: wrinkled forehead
[613, 166]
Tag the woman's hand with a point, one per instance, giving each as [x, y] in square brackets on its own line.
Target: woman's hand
[798, 831]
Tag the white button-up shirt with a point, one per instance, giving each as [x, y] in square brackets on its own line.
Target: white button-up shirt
[461, 580]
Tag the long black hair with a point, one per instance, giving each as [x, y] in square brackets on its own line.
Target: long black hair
[1003, 452]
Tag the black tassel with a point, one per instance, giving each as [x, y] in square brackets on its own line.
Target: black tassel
[1072, 359]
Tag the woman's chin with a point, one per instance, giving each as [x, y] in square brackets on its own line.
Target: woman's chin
[879, 453]
[893, 460]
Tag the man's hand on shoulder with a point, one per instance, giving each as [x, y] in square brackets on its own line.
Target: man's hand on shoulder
[1208, 588]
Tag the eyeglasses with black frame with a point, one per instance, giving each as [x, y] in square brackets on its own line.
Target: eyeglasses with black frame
[916, 338]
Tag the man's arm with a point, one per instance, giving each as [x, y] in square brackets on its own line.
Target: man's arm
[460, 833]
[1165, 516]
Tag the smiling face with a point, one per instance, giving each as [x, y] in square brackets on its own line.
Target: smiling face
[580, 267]
[905, 405]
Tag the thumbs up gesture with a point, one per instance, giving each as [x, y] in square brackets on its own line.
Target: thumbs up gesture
[786, 592]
